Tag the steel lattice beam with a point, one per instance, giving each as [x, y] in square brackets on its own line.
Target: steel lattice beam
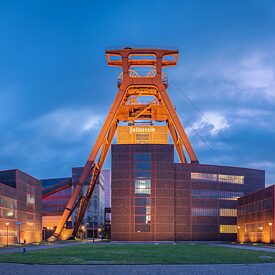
[126, 108]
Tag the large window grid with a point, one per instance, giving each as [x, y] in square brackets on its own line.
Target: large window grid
[256, 206]
[8, 213]
[205, 212]
[228, 212]
[30, 226]
[30, 199]
[204, 176]
[11, 233]
[142, 172]
[218, 177]
[257, 227]
[215, 194]
[8, 208]
[8, 203]
[214, 212]
[228, 228]
[143, 186]
[30, 195]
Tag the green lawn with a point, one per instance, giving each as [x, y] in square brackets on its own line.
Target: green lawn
[140, 254]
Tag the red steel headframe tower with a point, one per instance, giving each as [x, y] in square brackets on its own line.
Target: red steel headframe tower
[128, 108]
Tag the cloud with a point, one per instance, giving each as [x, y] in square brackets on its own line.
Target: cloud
[51, 144]
[260, 117]
[92, 122]
[253, 74]
[230, 76]
[211, 122]
[236, 92]
[66, 123]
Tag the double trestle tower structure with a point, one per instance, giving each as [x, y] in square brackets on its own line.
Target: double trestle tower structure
[142, 76]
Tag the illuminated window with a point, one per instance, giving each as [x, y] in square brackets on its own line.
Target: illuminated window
[30, 226]
[143, 191]
[7, 208]
[231, 179]
[228, 212]
[214, 194]
[142, 165]
[11, 233]
[143, 186]
[8, 214]
[30, 199]
[204, 176]
[205, 212]
[8, 203]
[253, 227]
[228, 195]
[142, 183]
[218, 177]
[228, 228]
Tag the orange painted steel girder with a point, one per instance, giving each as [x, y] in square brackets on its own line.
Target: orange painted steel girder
[125, 108]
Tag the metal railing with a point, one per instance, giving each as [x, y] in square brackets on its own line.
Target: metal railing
[150, 74]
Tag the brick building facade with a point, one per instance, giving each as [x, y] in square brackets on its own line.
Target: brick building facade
[20, 201]
[256, 216]
[154, 198]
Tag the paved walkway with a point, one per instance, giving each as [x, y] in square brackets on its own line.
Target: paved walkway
[43, 246]
[248, 247]
[224, 269]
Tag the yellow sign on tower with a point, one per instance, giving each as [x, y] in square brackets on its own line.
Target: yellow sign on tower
[142, 134]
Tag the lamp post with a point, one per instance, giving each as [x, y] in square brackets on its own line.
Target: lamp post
[238, 233]
[83, 231]
[19, 224]
[99, 231]
[270, 226]
[7, 224]
[261, 230]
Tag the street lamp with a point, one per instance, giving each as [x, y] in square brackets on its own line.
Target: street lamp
[261, 233]
[270, 225]
[7, 224]
[83, 230]
[18, 224]
[238, 233]
[46, 230]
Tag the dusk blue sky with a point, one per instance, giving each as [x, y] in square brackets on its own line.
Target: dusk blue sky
[56, 89]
